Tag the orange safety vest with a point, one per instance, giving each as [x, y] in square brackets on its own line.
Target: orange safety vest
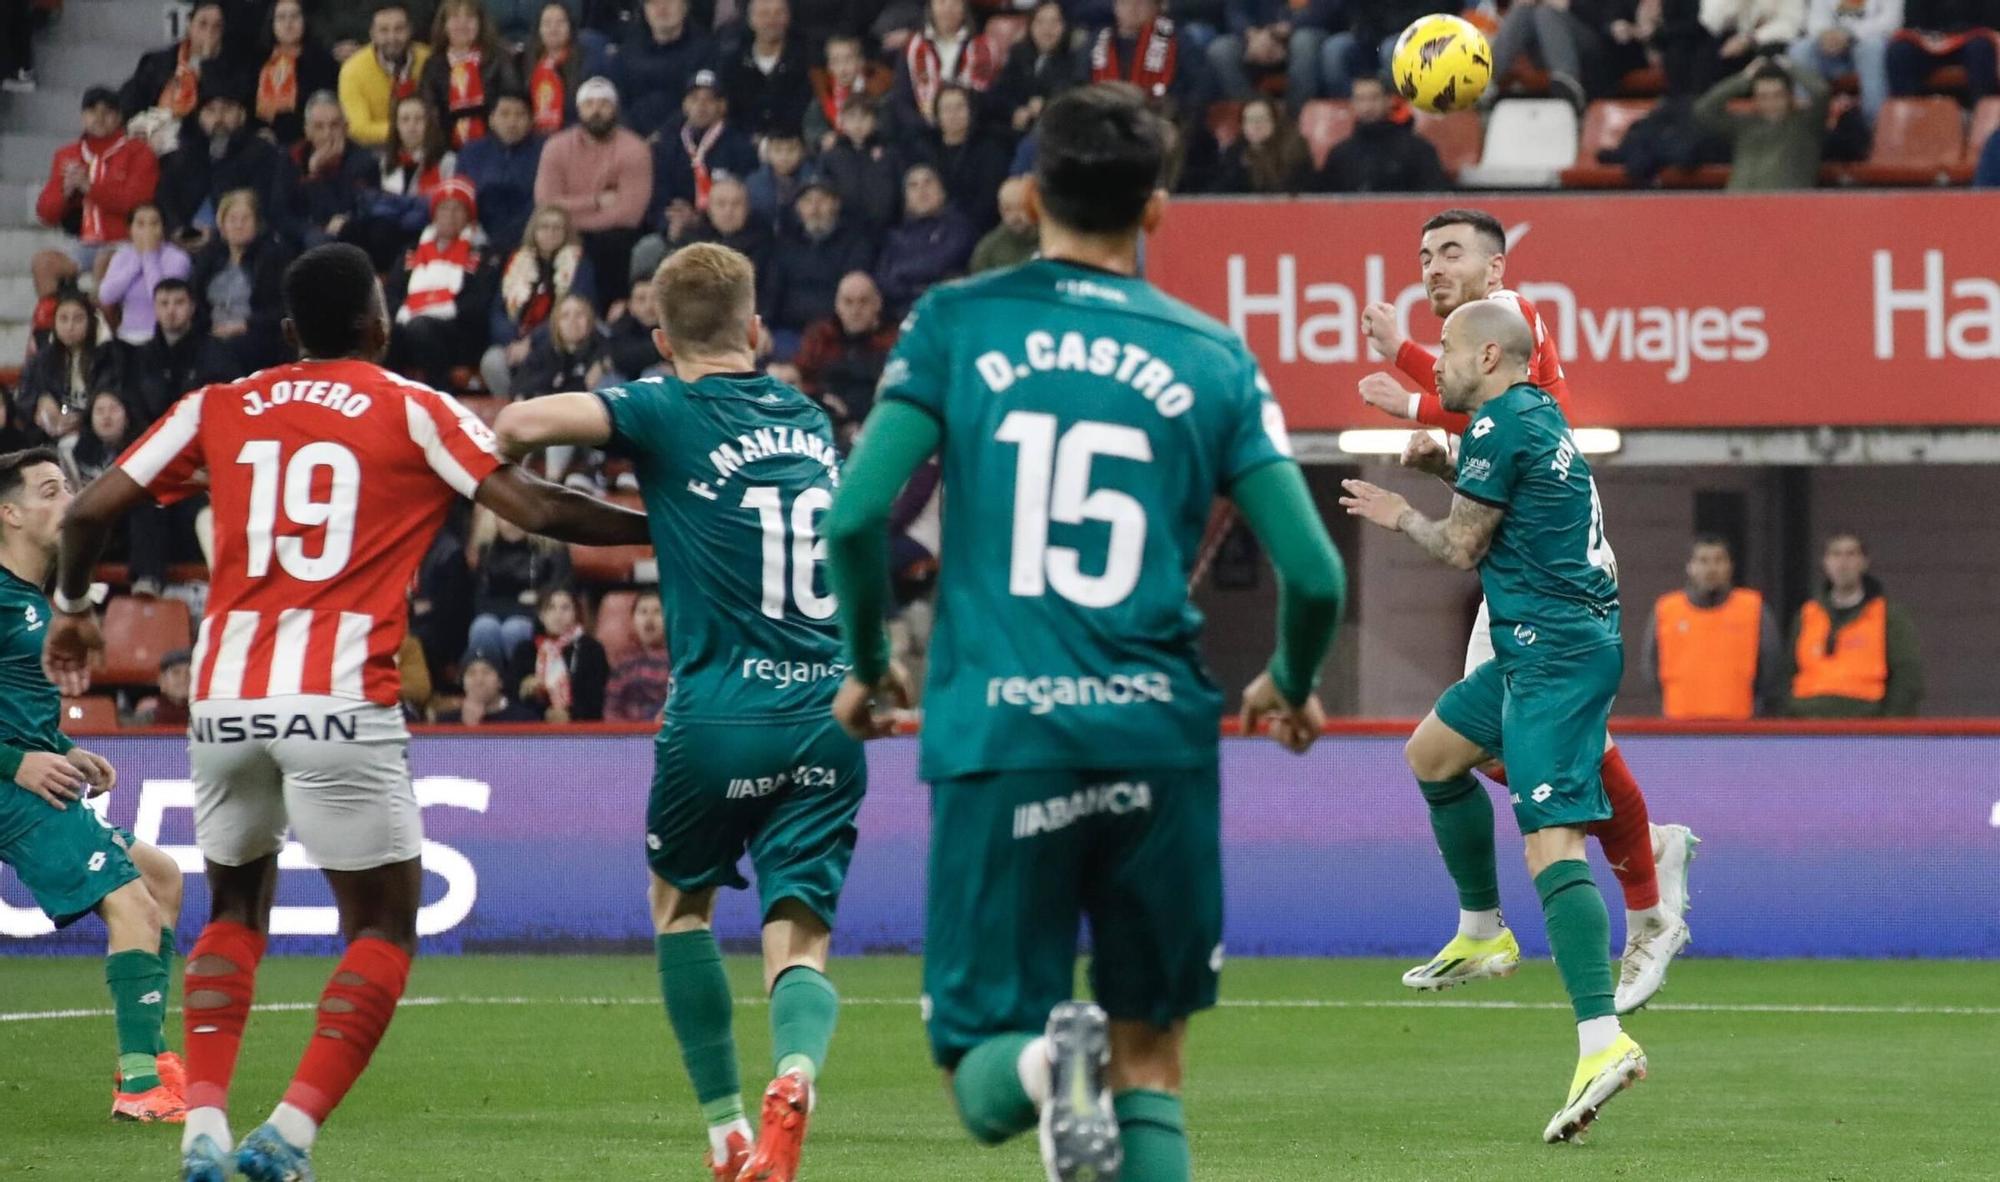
[1708, 655]
[1856, 663]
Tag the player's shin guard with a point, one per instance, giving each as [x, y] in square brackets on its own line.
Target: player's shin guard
[804, 1010]
[1462, 821]
[1627, 837]
[1579, 936]
[992, 1101]
[138, 984]
[221, 976]
[700, 1009]
[355, 1009]
[1153, 1134]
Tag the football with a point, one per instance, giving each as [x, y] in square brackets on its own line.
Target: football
[1442, 63]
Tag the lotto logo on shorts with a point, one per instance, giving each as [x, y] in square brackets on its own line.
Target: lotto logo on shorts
[96, 862]
[1542, 794]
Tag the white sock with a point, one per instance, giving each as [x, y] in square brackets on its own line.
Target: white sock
[211, 1121]
[718, 1137]
[1651, 917]
[1480, 925]
[1033, 1068]
[1595, 1035]
[294, 1126]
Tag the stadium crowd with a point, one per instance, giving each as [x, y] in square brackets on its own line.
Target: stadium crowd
[517, 168]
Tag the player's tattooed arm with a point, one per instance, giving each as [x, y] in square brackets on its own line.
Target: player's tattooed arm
[1459, 540]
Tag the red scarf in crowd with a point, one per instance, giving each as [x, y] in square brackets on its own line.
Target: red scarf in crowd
[278, 84]
[184, 88]
[552, 669]
[973, 69]
[1152, 69]
[835, 97]
[547, 91]
[698, 159]
[465, 97]
[97, 152]
[437, 272]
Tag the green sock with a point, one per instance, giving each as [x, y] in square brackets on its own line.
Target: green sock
[987, 1085]
[804, 1009]
[1462, 820]
[1579, 936]
[169, 949]
[138, 984]
[1154, 1136]
[699, 1008]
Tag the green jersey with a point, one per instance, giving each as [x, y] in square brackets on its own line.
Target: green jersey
[1550, 578]
[736, 471]
[30, 706]
[1088, 422]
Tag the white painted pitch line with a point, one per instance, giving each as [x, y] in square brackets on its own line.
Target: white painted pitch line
[277, 1007]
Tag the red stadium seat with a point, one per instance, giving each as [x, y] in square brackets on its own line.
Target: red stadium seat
[614, 625]
[1458, 137]
[1003, 32]
[1225, 121]
[117, 574]
[1650, 82]
[1918, 141]
[137, 633]
[1604, 126]
[89, 715]
[1325, 123]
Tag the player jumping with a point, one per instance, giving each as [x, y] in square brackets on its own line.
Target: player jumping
[67, 855]
[1463, 256]
[736, 470]
[1086, 421]
[1526, 515]
[329, 477]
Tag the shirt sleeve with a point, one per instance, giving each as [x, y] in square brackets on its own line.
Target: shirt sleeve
[1258, 436]
[166, 458]
[919, 366]
[456, 443]
[1488, 462]
[635, 417]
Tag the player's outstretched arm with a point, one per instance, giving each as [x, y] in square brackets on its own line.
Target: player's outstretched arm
[553, 511]
[1460, 540]
[535, 423]
[1312, 584]
[87, 525]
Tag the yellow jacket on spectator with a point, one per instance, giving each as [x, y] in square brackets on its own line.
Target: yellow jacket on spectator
[368, 94]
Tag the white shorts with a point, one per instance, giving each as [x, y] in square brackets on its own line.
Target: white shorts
[335, 770]
[1479, 647]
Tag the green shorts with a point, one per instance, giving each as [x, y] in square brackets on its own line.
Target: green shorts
[1546, 721]
[68, 860]
[1019, 858]
[788, 792]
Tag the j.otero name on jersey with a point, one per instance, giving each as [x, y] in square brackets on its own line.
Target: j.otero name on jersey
[1103, 357]
[334, 396]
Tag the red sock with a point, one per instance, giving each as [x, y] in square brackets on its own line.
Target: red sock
[215, 1032]
[353, 1013]
[1627, 837]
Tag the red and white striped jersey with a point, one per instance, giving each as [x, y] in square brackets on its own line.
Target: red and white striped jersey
[1545, 368]
[328, 480]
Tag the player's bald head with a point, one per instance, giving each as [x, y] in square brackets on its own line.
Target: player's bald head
[1485, 322]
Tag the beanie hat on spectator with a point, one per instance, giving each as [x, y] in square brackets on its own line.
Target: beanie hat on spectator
[599, 87]
[99, 96]
[459, 189]
[218, 81]
[704, 80]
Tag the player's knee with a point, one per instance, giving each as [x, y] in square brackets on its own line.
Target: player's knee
[130, 914]
[1146, 1056]
[1427, 759]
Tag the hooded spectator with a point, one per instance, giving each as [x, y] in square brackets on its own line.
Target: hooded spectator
[444, 291]
[375, 79]
[294, 67]
[659, 57]
[137, 266]
[170, 78]
[931, 244]
[549, 265]
[238, 284]
[467, 70]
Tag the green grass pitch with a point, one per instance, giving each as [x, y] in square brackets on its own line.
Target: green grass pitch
[559, 1068]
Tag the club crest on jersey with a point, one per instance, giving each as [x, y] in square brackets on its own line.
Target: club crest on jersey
[1524, 634]
[34, 618]
[1482, 428]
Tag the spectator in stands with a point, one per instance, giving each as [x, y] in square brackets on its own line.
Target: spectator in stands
[628, 345]
[510, 570]
[1562, 38]
[1364, 48]
[1383, 155]
[726, 221]
[295, 67]
[137, 266]
[1776, 145]
[238, 284]
[18, 21]
[1269, 155]
[502, 165]
[394, 212]
[603, 175]
[946, 52]
[441, 602]
[1015, 240]
[486, 699]
[107, 428]
[931, 244]
[1039, 67]
[1987, 173]
[1942, 33]
[970, 163]
[847, 75]
[1745, 30]
[1712, 647]
[94, 185]
[221, 153]
[168, 707]
[563, 669]
[777, 181]
[467, 72]
[443, 293]
[864, 167]
[569, 352]
[548, 265]
[177, 359]
[1145, 48]
[693, 151]
[812, 255]
[660, 55]
[334, 177]
[58, 383]
[558, 61]
[840, 359]
[1850, 39]
[1631, 37]
[640, 683]
[1854, 654]
[514, 21]
[1270, 37]
[373, 82]
[765, 71]
[170, 78]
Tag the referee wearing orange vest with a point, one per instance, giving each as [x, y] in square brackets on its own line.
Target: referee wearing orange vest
[1713, 647]
[1853, 653]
